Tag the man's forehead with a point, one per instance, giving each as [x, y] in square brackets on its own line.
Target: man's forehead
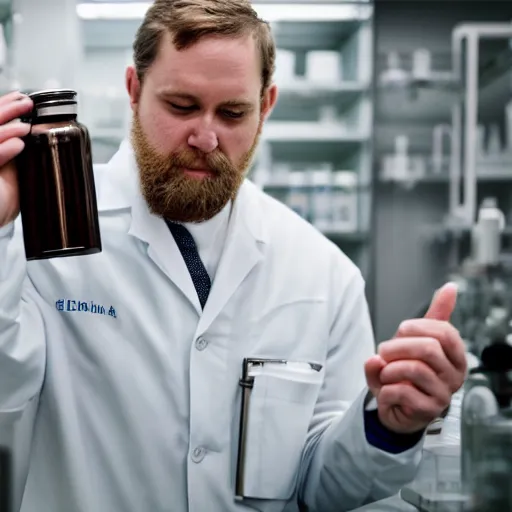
[230, 64]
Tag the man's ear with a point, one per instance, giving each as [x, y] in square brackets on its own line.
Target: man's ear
[269, 101]
[133, 86]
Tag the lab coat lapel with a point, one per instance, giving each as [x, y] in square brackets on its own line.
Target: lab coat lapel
[162, 249]
[243, 249]
[118, 187]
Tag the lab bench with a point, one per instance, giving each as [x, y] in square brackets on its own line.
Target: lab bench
[437, 486]
[393, 504]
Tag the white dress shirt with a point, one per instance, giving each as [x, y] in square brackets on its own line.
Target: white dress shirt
[210, 237]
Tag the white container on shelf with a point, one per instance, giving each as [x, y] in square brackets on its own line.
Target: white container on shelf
[328, 115]
[321, 198]
[323, 66]
[285, 67]
[344, 202]
[422, 65]
[298, 193]
[401, 163]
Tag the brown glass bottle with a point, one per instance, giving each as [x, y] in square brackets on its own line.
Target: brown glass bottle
[56, 181]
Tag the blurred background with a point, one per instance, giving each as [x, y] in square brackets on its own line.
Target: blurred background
[392, 135]
[393, 127]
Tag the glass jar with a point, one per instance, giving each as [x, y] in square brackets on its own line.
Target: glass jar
[56, 181]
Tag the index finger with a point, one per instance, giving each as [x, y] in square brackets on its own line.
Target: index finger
[17, 107]
[448, 337]
[11, 97]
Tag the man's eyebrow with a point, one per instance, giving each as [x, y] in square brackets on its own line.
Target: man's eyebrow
[239, 103]
[178, 94]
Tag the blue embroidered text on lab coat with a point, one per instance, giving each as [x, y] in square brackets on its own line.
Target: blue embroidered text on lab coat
[71, 306]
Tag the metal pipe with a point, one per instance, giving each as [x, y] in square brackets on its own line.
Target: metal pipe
[470, 128]
[440, 132]
[455, 161]
[482, 30]
[472, 33]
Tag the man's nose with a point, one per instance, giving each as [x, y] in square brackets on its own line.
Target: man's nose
[205, 140]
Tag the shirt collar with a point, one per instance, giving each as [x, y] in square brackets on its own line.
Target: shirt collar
[205, 233]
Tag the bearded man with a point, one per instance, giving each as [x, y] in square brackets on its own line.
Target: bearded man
[239, 371]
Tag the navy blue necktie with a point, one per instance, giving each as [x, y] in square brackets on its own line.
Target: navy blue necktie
[195, 266]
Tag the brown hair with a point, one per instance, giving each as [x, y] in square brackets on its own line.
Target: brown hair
[187, 21]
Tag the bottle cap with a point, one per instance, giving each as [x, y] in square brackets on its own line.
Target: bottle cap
[52, 102]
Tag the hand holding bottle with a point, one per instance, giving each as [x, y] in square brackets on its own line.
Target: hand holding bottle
[12, 106]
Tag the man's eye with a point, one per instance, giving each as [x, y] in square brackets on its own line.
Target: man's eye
[182, 108]
[233, 115]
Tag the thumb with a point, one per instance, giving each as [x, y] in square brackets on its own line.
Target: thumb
[443, 303]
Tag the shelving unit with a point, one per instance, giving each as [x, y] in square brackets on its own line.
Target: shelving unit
[316, 148]
[413, 233]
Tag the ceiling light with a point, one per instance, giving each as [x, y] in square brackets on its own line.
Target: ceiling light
[268, 12]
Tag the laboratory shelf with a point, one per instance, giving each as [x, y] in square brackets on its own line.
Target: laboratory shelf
[305, 35]
[304, 98]
[277, 131]
[307, 188]
[319, 91]
[486, 172]
[319, 150]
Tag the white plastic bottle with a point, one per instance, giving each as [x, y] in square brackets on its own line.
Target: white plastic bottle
[450, 431]
[486, 235]
[298, 194]
[321, 199]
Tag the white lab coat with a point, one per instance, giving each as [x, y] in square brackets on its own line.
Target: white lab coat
[138, 389]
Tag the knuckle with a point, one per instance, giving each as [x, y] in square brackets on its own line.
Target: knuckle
[431, 348]
[434, 410]
[383, 345]
[452, 335]
[392, 394]
[443, 401]
[456, 384]
[428, 407]
[453, 330]
[404, 327]
[416, 369]
[385, 349]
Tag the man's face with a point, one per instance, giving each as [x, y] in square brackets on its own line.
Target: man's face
[196, 122]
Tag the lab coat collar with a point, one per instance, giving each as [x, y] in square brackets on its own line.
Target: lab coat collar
[117, 182]
[119, 188]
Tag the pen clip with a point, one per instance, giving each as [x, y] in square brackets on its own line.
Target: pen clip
[247, 381]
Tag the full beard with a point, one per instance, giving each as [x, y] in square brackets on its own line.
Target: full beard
[174, 196]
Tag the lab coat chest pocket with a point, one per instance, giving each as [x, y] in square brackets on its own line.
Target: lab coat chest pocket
[280, 411]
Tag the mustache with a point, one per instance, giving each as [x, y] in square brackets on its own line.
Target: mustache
[215, 162]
